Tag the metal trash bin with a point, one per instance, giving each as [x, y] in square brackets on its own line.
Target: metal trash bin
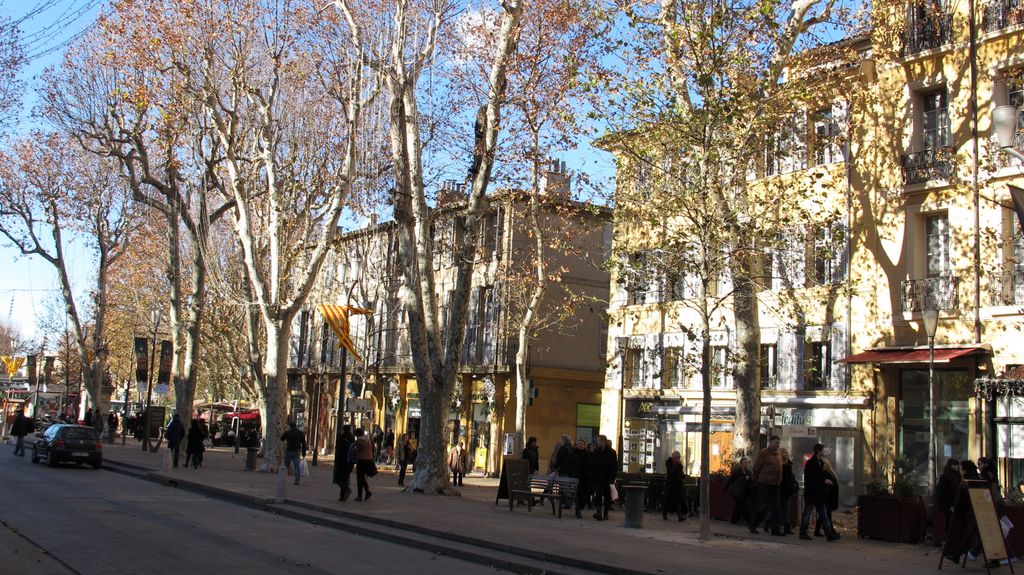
[250, 459]
[634, 495]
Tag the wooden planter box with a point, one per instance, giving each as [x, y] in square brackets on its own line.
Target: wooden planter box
[1015, 541]
[721, 503]
[891, 518]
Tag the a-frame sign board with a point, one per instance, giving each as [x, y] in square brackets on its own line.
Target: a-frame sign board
[975, 519]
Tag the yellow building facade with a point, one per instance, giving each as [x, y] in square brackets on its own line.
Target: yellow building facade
[906, 208]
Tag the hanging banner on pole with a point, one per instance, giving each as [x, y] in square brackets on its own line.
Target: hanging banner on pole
[163, 378]
[141, 360]
[337, 316]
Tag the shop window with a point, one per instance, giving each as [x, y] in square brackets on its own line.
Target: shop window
[954, 389]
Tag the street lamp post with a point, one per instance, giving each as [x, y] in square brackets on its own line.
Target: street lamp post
[930, 315]
[154, 316]
[315, 429]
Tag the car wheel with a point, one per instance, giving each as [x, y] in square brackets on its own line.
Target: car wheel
[51, 461]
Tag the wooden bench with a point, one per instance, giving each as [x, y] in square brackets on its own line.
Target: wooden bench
[541, 487]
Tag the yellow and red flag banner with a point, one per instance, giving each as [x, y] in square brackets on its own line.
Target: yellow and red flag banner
[337, 317]
[12, 364]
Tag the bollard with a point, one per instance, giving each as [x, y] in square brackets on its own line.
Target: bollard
[250, 459]
[634, 505]
[165, 463]
[281, 486]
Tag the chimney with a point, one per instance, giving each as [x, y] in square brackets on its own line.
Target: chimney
[451, 192]
[556, 180]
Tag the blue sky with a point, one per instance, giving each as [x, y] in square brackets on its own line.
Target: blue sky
[26, 283]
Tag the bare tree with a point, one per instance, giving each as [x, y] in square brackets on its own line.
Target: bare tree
[52, 193]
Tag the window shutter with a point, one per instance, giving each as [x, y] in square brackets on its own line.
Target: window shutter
[838, 233]
[791, 261]
[838, 343]
[490, 334]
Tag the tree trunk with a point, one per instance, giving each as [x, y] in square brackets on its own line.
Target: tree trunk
[747, 374]
[274, 391]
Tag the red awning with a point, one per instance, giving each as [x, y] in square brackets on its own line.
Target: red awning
[911, 355]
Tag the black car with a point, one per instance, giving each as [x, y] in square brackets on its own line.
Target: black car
[77, 443]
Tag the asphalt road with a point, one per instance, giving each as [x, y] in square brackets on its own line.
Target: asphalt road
[79, 520]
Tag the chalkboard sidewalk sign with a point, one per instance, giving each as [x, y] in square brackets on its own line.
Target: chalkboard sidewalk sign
[975, 520]
[515, 474]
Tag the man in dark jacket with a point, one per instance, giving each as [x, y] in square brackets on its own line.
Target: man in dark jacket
[342, 466]
[815, 482]
[295, 447]
[21, 427]
[581, 471]
[531, 453]
[603, 469]
[174, 433]
[563, 458]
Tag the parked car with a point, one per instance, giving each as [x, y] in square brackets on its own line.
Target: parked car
[76, 443]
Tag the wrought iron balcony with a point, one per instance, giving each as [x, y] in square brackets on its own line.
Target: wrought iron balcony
[1002, 14]
[1012, 292]
[944, 291]
[927, 33]
[933, 164]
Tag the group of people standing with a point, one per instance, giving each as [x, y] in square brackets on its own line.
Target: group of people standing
[762, 491]
[594, 465]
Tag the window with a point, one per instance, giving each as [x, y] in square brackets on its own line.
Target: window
[674, 371]
[768, 365]
[686, 287]
[720, 366]
[634, 368]
[819, 365]
[934, 120]
[937, 246]
[1017, 273]
[786, 150]
[638, 280]
[490, 230]
[827, 255]
[826, 133]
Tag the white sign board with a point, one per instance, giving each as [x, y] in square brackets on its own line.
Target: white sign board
[358, 405]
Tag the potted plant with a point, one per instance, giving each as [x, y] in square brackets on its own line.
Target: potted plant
[898, 516]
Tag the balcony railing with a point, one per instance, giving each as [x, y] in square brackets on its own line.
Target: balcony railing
[933, 164]
[944, 291]
[1012, 292]
[927, 33]
[1002, 14]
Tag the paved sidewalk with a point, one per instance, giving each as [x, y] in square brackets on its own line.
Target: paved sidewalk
[660, 547]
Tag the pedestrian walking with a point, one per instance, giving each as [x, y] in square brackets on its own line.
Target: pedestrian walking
[675, 493]
[389, 446]
[404, 457]
[174, 433]
[458, 463]
[295, 447]
[22, 426]
[815, 482]
[531, 453]
[87, 419]
[831, 497]
[581, 471]
[787, 490]
[194, 446]
[112, 421]
[97, 422]
[767, 473]
[364, 466]
[378, 442]
[738, 486]
[343, 464]
[602, 472]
